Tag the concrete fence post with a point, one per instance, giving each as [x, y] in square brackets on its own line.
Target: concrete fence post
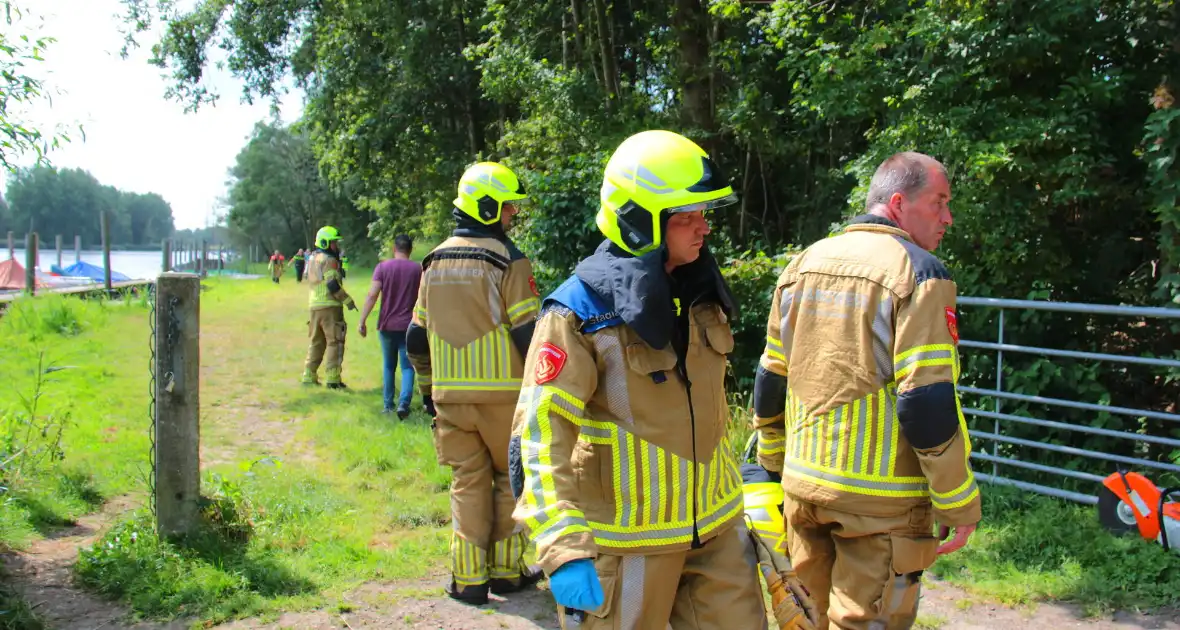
[177, 422]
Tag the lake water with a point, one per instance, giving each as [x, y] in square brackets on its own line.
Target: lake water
[135, 265]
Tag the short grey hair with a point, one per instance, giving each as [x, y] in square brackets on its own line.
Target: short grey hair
[903, 173]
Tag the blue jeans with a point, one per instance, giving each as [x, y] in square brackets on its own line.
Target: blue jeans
[391, 342]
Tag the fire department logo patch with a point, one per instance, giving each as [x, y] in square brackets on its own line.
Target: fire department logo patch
[533, 286]
[952, 323]
[550, 360]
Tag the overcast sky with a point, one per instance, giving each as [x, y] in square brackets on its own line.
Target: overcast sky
[136, 140]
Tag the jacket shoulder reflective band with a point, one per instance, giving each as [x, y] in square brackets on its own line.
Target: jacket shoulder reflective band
[574, 295]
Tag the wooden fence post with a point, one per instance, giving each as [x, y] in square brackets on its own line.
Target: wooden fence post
[31, 263]
[165, 256]
[177, 422]
[58, 240]
[77, 248]
[204, 257]
[106, 251]
[11, 246]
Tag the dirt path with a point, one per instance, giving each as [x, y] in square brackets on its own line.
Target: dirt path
[42, 575]
[420, 605]
[947, 607]
[239, 424]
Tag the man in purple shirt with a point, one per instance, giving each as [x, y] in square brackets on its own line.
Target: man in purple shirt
[396, 282]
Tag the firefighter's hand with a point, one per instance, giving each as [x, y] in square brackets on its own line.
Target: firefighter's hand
[362, 329]
[351, 305]
[575, 585]
[962, 533]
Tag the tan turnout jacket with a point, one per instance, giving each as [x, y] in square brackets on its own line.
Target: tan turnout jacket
[855, 395]
[615, 454]
[475, 292]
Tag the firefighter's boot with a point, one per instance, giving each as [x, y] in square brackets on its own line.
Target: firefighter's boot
[509, 573]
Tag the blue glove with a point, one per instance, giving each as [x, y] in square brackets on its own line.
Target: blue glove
[575, 585]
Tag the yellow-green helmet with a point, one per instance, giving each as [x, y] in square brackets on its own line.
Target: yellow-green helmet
[326, 235]
[653, 174]
[484, 188]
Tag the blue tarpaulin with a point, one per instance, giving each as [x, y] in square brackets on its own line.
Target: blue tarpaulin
[94, 272]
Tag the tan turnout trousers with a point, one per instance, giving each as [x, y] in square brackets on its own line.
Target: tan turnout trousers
[327, 330]
[473, 440]
[864, 572]
[715, 587]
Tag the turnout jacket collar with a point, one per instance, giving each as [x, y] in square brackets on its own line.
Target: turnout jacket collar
[875, 223]
[467, 227]
[640, 291]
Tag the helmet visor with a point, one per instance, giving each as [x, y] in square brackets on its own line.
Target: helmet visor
[702, 206]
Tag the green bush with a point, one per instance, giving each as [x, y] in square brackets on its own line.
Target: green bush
[31, 320]
[751, 277]
[1031, 547]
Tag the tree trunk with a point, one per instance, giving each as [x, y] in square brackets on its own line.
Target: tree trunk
[565, 41]
[581, 51]
[689, 21]
[470, 100]
[606, 49]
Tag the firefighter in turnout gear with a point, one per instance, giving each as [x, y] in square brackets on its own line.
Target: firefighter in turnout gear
[856, 405]
[472, 324]
[623, 473]
[326, 299]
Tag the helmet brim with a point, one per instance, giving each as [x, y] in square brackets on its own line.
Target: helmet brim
[702, 206]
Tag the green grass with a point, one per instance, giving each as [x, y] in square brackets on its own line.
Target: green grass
[15, 612]
[1032, 548]
[81, 354]
[309, 492]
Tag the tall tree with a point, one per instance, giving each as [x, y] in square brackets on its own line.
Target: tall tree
[278, 200]
[69, 202]
[19, 89]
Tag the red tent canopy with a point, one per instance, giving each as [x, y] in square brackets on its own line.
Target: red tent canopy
[12, 276]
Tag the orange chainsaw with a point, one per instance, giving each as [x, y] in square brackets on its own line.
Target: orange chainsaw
[1128, 500]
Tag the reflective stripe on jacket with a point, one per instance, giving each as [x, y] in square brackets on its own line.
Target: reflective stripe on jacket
[322, 269]
[611, 450]
[475, 292]
[855, 396]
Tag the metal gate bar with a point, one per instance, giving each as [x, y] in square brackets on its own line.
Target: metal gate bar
[998, 395]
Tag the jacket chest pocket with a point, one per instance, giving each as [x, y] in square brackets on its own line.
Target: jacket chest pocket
[710, 342]
[652, 386]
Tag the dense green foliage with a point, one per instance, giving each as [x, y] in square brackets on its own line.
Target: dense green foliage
[69, 202]
[22, 46]
[1057, 121]
[278, 200]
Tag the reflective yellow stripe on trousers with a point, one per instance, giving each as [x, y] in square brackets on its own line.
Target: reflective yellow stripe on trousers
[652, 487]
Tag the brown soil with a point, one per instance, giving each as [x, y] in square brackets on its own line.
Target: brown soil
[41, 574]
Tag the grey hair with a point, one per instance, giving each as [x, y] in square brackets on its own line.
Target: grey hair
[904, 173]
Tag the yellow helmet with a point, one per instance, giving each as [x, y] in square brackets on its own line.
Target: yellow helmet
[484, 188]
[653, 174]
